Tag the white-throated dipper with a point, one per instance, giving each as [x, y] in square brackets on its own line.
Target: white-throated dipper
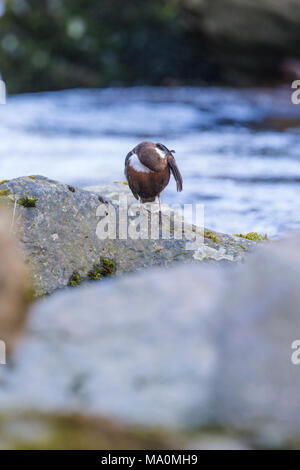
[147, 169]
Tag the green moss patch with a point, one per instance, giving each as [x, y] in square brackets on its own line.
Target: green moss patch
[105, 268]
[211, 236]
[75, 280]
[108, 267]
[95, 274]
[4, 192]
[28, 201]
[254, 236]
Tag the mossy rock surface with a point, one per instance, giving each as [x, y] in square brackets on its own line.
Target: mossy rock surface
[254, 236]
[58, 226]
[37, 431]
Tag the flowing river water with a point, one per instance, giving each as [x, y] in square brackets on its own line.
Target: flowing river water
[238, 149]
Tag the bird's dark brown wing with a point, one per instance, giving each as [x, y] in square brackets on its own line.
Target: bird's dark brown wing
[175, 171]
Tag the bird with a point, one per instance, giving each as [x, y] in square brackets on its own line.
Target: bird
[148, 168]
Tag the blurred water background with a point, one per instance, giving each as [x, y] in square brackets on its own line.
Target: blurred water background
[211, 79]
[238, 149]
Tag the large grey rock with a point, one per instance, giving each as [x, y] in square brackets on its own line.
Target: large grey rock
[247, 39]
[257, 384]
[229, 18]
[60, 242]
[139, 348]
[192, 345]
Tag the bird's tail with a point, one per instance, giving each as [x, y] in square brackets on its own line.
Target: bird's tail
[175, 171]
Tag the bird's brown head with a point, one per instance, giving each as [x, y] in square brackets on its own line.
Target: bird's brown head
[164, 149]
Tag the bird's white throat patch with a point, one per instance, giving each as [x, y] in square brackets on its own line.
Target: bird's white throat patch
[136, 164]
[160, 153]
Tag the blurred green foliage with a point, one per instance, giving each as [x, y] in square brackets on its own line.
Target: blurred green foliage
[54, 44]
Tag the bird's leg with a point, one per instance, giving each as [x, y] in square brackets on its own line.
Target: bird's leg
[142, 208]
[160, 216]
